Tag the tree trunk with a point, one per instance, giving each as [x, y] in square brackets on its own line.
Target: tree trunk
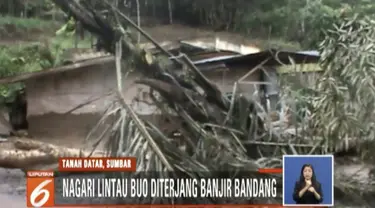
[76, 35]
[92, 41]
[5, 123]
[11, 7]
[31, 155]
[153, 8]
[138, 21]
[25, 9]
[170, 12]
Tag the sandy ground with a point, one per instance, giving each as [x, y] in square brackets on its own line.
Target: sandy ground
[14, 201]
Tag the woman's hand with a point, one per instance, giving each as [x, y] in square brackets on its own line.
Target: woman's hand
[316, 194]
[308, 183]
[302, 191]
[311, 189]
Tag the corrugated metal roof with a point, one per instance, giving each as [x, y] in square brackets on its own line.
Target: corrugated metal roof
[209, 54]
[274, 56]
[309, 53]
[220, 45]
[215, 59]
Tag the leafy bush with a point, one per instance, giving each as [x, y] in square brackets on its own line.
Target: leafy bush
[19, 59]
[341, 101]
[345, 106]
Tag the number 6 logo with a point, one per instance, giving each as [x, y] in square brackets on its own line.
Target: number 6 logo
[40, 191]
[37, 192]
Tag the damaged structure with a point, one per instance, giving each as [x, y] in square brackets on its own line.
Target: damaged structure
[68, 101]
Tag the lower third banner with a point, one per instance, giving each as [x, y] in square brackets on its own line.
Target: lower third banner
[44, 189]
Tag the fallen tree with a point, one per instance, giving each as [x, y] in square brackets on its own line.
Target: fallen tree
[217, 133]
[29, 154]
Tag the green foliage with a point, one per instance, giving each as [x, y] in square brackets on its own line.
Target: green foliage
[25, 58]
[20, 59]
[291, 20]
[340, 101]
[344, 108]
[43, 5]
[68, 28]
[30, 57]
[25, 8]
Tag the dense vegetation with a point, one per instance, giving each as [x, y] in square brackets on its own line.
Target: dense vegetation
[292, 20]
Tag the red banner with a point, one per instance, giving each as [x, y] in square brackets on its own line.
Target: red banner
[97, 164]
